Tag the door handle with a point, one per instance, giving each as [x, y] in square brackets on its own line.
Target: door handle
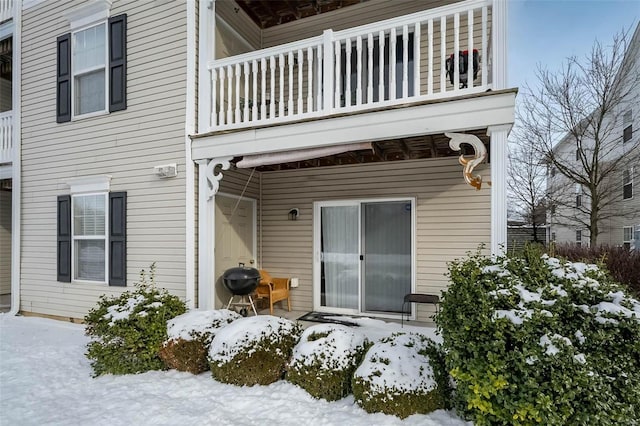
[362, 257]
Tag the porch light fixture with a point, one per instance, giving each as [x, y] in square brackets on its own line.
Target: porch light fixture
[294, 213]
[294, 282]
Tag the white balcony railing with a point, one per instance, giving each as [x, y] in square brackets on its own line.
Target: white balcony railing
[6, 137]
[396, 61]
[6, 9]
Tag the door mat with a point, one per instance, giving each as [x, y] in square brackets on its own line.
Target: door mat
[327, 318]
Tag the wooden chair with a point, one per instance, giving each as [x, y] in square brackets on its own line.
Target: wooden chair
[273, 289]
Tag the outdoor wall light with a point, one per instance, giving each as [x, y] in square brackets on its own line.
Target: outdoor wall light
[294, 213]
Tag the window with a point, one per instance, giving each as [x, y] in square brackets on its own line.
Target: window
[91, 69]
[627, 126]
[627, 184]
[627, 236]
[578, 195]
[88, 62]
[6, 74]
[92, 233]
[579, 237]
[636, 238]
[553, 236]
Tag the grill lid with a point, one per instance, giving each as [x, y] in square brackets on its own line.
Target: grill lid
[241, 273]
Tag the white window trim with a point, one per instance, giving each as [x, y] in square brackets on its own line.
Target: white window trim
[631, 173]
[74, 74]
[89, 184]
[92, 237]
[88, 14]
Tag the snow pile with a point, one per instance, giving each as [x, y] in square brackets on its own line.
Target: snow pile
[123, 312]
[197, 324]
[45, 379]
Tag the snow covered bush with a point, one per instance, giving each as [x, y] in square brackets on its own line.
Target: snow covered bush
[325, 358]
[189, 337]
[127, 330]
[534, 339]
[402, 375]
[253, 350]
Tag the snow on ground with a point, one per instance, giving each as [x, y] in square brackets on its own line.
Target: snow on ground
[45, 379]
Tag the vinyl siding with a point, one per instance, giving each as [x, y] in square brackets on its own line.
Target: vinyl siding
[451, 217]
[5, 242]
[126, 145]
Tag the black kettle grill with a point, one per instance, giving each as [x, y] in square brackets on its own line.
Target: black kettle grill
[241, 281]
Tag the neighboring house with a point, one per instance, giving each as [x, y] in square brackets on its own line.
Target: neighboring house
[570, 202]
[316, 140]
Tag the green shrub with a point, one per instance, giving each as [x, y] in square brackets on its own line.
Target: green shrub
[533, 339]
[622, 264]
[324, 360]
[253, 350]
[190, 335]
[127, 330]
[402, 375]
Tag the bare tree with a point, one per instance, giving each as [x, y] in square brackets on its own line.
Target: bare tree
[574, 121]
[526, 181]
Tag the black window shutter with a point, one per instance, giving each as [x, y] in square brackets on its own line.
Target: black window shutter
[118, 63]
[63, 79]
[64, 238]
[118, 239]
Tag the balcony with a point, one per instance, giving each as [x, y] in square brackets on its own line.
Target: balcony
[6, 9]
[386, 64]
[6, 137]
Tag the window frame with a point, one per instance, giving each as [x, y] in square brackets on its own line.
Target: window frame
[105, 67]
[105, 238]
[626, 242]
[627, 126]
[627, 184]
[579, 237]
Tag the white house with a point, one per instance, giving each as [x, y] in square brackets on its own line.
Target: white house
[619, 150]
[316, 139]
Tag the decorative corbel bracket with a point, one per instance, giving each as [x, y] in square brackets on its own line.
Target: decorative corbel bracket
[469, 162]
[213, 178]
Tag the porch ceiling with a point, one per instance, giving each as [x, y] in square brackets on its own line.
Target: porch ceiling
[274, 12]
[414, 148]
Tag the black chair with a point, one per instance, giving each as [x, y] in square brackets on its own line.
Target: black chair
[419, 298]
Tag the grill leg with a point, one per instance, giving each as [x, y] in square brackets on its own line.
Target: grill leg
[230, 300]
[253, 306]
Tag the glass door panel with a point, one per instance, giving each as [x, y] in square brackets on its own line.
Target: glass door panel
[340, 257]
[387, 255]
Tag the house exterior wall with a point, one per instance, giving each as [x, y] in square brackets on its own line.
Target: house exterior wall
[451, 217]
[125, 144]
[5, 242]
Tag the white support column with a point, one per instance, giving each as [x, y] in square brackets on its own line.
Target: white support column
[328, 70]
[16, 184]
[190, 129]
[208, 188]
[499, 154]
[206, 38]
[499, 44]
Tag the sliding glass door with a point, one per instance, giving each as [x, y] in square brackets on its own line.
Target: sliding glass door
[363, 255]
